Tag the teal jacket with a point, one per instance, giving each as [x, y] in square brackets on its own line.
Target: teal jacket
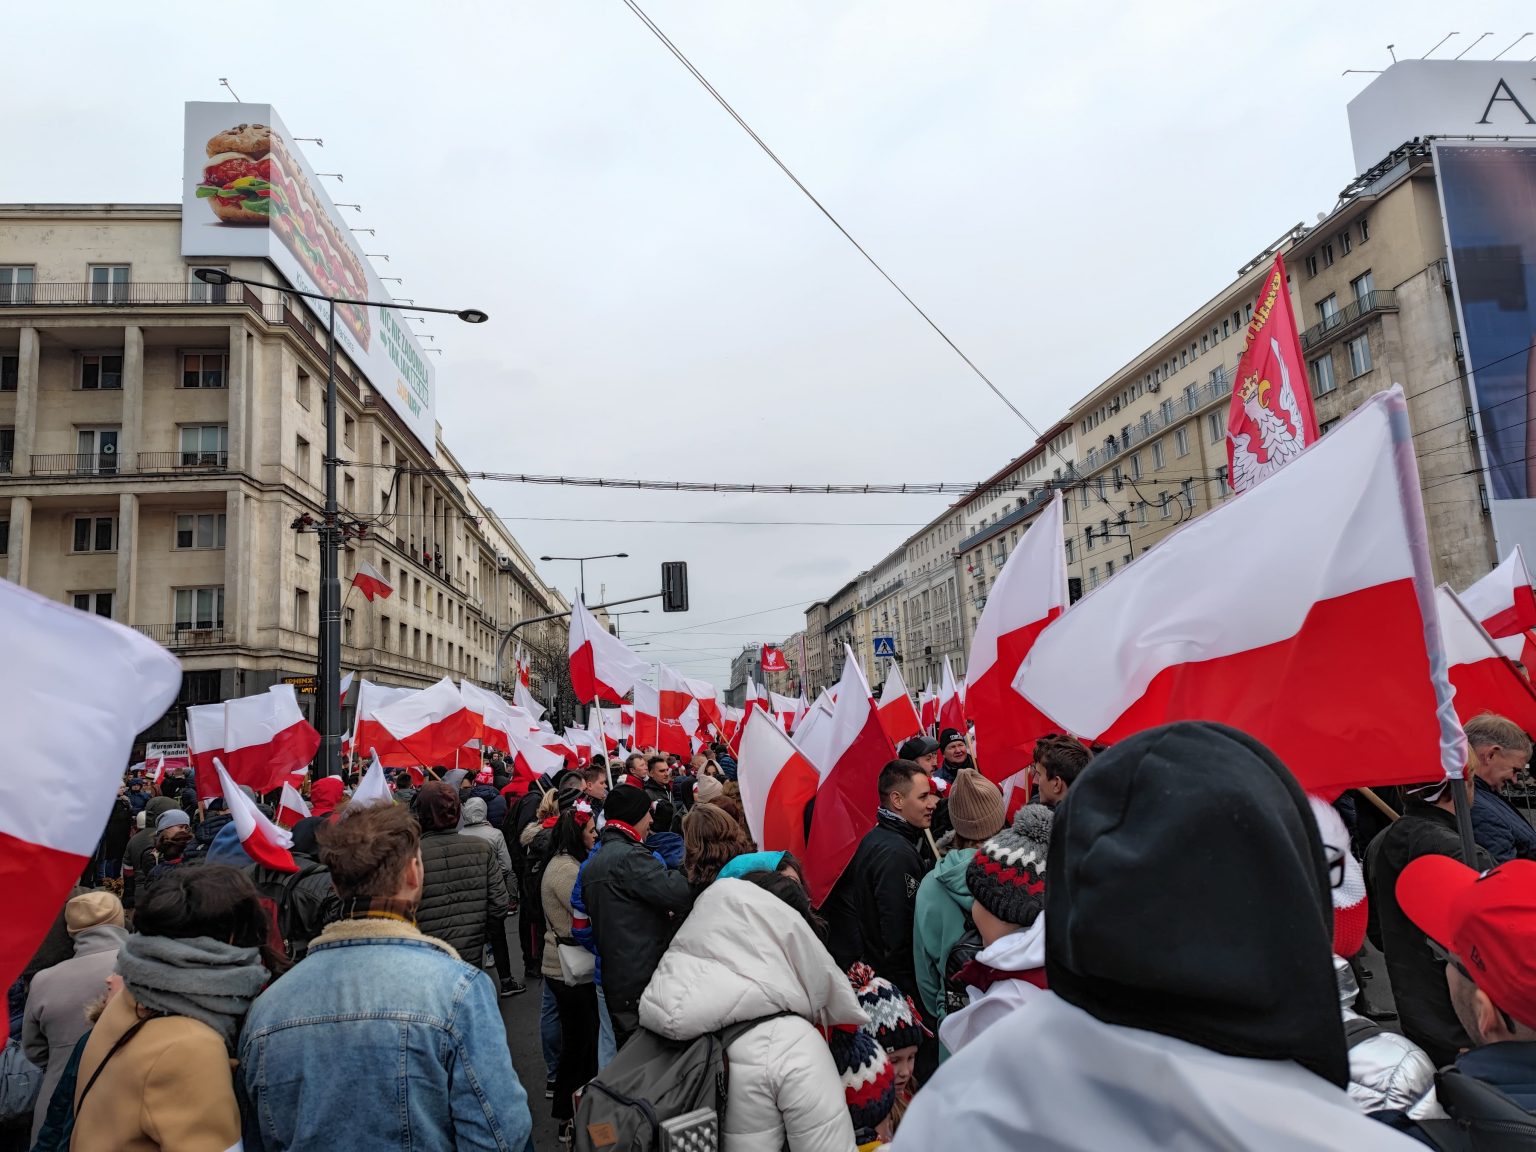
[938, 921]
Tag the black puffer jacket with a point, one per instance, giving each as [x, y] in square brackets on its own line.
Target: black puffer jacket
[1418, 979]
[869, 911]
[306, 901]
[463, 889]
[635, 904]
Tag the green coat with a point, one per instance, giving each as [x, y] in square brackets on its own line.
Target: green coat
[938, 922]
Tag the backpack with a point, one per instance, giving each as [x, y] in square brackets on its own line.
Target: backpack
[277, 900]
[20, 1081]
[651, 1081]
[964, 951]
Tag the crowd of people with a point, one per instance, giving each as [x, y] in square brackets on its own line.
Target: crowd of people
[1163, 947]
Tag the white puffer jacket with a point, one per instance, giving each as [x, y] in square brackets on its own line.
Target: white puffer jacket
[742, 954]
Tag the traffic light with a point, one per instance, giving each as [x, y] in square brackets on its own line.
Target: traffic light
[674, 586]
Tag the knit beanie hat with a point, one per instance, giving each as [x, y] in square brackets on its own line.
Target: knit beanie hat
[894, 1019]
[627, 804]
[92, 909]
[975, 806]
[949, 736]
[869, 1081]
[437, 807]
[170, 819]
[1007, 874]
[706, 790]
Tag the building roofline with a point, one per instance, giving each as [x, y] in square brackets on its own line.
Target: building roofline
[23, 210]
[1039, 446]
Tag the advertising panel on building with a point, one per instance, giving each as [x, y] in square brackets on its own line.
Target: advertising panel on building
[249, 192]
[1417, 99]
[1488, 197]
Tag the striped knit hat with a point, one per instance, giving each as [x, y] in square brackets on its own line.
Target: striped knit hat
[869, 1081]
[1007, 874]
[894, 1019]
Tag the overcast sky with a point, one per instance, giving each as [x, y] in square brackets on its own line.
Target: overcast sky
[1056, 184]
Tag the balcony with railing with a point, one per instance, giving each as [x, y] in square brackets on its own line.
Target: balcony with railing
[1381, 300]
[74, 464]
[182, 636]
[1201, 396]
[178, 463]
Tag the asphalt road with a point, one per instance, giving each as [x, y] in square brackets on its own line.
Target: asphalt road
[521, 1016]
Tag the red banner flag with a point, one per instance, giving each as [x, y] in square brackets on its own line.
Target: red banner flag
[773, 659]
[1271, 418]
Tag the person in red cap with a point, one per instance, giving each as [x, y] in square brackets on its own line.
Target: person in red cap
[1483, 926]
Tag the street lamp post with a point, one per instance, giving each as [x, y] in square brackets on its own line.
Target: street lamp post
[614, 616]
[328, 665]
[582, 561]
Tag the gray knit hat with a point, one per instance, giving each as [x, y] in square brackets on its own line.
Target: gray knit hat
[1007, 874]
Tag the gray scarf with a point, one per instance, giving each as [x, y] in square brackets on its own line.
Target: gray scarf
[200, 977]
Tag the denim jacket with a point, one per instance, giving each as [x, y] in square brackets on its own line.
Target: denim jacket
[380, 1038]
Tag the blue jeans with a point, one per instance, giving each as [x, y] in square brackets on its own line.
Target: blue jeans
[549, 1030]
[607, 1049]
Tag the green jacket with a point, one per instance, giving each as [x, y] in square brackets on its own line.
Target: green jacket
[938, 921]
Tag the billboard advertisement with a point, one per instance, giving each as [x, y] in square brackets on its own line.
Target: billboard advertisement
[247, 191]
[1423, 98]
[1488, 199]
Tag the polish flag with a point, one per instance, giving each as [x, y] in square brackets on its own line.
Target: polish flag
[1484, 680]
[777, 782]
[951, 702]
[266, 738]
[928, 708]
[368, 735]
[813, 735]
[1016, 792]
[898, 716]
[497, 718]
[75, 689]
[708, 697]
[205, 740]
[292, 807]
[346, 686]
[531, 758]
[846, 800]
[263, 841]
[159, 774]
[373, 788]
[783, 705]
[431, 724]
[370, 581]
[1302, 613]
[1503, 601]
[522, 667]
[647, 715]
[602, 666]
[524, 700]
[1031, 592]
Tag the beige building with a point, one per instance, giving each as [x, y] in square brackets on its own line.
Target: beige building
[931, 597]
[160, 463]
[815, 648]
[878, 623]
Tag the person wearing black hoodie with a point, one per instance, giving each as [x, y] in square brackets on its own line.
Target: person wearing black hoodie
[1188, 937]
[306, 900]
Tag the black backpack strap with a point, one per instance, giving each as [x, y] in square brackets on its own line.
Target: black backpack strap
[1359, 1030]
[111, 1052]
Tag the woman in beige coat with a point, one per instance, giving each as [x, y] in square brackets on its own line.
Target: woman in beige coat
[574, 833]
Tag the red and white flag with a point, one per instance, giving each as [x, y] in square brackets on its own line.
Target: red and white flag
[431, 724]
[1031, 592]
[708, 697]
[263, 841]
[898, 715]
[524, 700]
[1484, 680]
[292, 807]
[1503, 601]
[266, 738]
[813, 734]
[1302, 614]
[522, 667]
[679, 712]
[370, 581]
[772, 659]
[373, 788]
[951, 702]
[531, 758]
[602, 666]
[1271, 419]
[847, 798]
[498, 719]
[776, 782]
[205, 740]
[75, 689]
[370, 736]
[647, 715]
[159, 774]
[346, 686]
[928, 707]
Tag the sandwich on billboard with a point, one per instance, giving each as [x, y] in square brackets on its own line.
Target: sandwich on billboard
[247, 191]
[1488, 199]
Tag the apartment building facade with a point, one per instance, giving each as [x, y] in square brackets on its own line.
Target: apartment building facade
[931, 597]
[161, 446]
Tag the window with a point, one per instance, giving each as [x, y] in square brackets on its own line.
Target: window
[301, 388]
[200, 607]
[1141, 511]
[200, 530]
[1187, 490]
[200, 688]
[1328, 309]
[1157, 455]
[1365, 229]
[5, 537]
[1221, 481]
[1069, 546]
[96, 451]
[1205, 343]
[97, 602]
[1165, 410]
[1344, 244]
[1226, 328]
[301, 458]
[301, 619]
[101, 372]
[1247, 312]
[1093, 578]
[109, 283]
[1216, 426]
[1088, 538]
[1082, 495]
[1312, 265]
[1328, 426]
[10, 373]
[349, 492]
[204, 369]
[1135, 466]
[7, 449]
[348, 430]
[1359, 350]
[1321, 371]
[1165, 505]
[1328, 255]
[199, 292]
[1363, 284]
[95, 534]
[16, 283]
[204, 444]
[1109, 569]
[1181, 441]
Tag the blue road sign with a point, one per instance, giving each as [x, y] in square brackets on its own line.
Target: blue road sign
[885, 646]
